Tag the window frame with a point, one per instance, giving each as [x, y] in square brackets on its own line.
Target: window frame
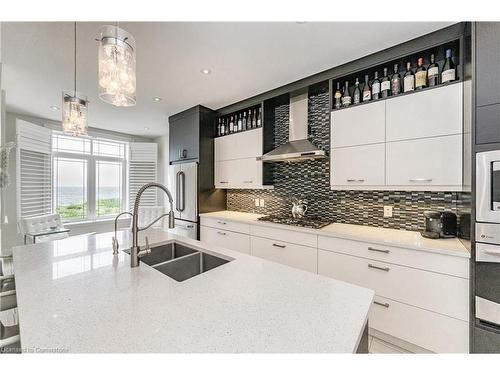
[91, 178]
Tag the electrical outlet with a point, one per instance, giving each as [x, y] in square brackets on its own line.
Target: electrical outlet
[262, 203]
[387, 211]
[257, 202]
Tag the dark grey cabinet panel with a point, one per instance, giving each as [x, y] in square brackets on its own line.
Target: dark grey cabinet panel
[487, 63]
[184, 136]
[485, 341]
[488, 124]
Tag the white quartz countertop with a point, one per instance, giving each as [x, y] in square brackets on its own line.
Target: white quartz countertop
[74, 295]
[390, 237]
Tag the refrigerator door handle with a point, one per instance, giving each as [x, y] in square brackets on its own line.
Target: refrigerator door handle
[177, 193]
[182, 190]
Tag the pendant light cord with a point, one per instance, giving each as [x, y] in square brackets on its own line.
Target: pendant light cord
[75, 61]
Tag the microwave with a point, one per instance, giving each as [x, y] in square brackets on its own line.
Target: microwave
[488, 187]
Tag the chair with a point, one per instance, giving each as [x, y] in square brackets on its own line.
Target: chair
[9, 322]
[43, 228]
[10, 340]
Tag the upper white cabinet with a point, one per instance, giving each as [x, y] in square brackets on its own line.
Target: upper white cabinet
[409, 142]
[358, 125]
[358, 166]
[429, 113]
[425, 162]
[238, 163]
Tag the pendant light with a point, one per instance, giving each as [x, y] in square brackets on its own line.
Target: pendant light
[74, 107]
[117, 75]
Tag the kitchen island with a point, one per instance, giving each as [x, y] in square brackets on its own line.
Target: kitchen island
[75, 296]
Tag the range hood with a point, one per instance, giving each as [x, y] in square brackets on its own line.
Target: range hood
[298, 147]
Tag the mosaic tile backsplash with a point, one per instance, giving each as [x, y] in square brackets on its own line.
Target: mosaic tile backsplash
[310, 180]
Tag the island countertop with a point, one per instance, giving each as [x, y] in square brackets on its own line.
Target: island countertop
[75, 295]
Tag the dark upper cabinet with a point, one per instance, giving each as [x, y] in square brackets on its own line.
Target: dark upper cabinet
[184, 136]
[487, 63]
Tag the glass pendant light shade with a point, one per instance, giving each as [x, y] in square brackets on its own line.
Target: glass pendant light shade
[117, 67]
[74, 113]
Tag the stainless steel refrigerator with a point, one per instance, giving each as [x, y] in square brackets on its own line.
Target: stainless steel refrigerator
[183, 184]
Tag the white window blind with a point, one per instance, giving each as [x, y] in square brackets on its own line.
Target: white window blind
[143, 169]
[34, 175]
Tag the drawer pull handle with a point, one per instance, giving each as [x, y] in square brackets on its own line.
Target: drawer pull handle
[420, 179]
[378, 250]
[222, 233]
[223, 182]
[492, 252]
[354, 180]
[221, 222]
[280, 246]
[386, 305]
[386, 269]
[248, 182]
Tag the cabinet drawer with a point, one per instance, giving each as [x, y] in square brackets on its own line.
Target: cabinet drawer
[428, 113]
[239, 146]
[358, 165]
[447, 264]
[292, 255]
[358, 125]
[429, 330]
[443, 294]
[232, 226]
[290, 236]
[425, 162]
[226, 239]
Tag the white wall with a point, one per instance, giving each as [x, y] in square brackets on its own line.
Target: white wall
[10, 237]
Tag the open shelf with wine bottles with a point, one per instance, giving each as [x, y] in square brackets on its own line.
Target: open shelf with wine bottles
[242, 120]
[422, 70]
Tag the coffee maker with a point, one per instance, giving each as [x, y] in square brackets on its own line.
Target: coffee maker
[440, 224]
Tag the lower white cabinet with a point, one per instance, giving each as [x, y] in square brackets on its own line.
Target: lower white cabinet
[226, 239]
[425, 163]
[238, 173]
[292, 255]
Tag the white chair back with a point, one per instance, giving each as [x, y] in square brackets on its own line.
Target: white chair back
[43, 223]
[148, 214]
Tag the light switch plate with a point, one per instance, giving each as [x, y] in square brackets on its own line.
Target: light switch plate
[262, 202]
[387, 211]
[257, 202]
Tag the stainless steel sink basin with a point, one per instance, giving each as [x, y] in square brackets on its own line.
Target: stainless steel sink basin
[180, 262]
[190, 265]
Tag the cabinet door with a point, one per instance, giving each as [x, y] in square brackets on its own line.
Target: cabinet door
[358, 125]
[487, 63]
[239, 146]
[292, 255]
[239, 173]
[487, 124]
[184, 137]
[433, 162]
[226, 239]
[358, 165]
[222, 174]
[428, 113]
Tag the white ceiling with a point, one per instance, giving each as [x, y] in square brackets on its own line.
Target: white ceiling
[245, 58]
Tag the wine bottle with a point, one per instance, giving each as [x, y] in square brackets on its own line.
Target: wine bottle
[231, 125]
[356, 96]
[449, 73]
[408, 79]
[367, 92]
[224, 126]
[346, 97]
[420, 74]
[433, 73]
[259, 120]
[219, 128]
[338, 97]
[254, 119]
[385, 85]
[240, 123]
[396, 81]
[244, 125]
[376, 87]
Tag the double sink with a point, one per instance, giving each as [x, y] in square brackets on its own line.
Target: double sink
[180, 262]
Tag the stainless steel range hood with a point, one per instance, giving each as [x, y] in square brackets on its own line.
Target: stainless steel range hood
[298, 147]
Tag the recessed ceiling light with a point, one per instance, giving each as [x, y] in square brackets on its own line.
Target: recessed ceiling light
[206, 71]
[54, 107]
[156, 99]
[146, 128]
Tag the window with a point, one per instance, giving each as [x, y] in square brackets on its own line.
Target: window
[89, 177]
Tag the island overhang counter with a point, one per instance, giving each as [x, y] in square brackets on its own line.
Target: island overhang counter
[75, 296]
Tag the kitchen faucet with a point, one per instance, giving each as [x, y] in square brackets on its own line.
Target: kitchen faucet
[135, 252]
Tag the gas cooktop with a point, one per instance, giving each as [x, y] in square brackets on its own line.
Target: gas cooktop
[312, 222]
